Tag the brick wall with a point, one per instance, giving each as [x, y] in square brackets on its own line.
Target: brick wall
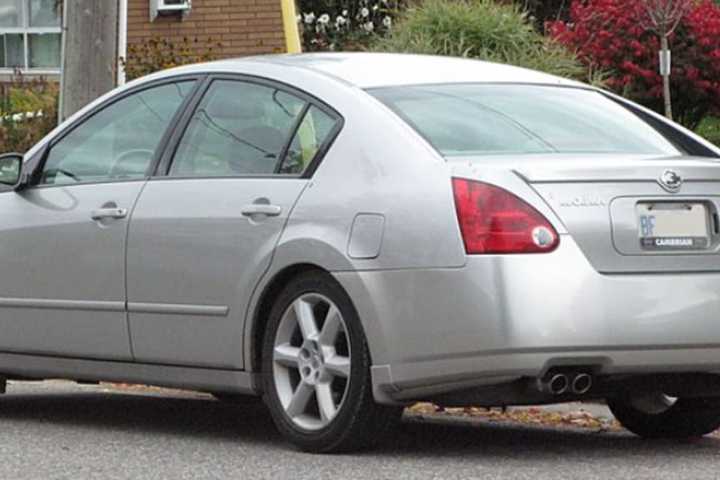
[242, 27]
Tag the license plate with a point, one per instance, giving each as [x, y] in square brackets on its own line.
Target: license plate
[673, 226]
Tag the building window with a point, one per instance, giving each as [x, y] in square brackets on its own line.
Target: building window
[30, 34]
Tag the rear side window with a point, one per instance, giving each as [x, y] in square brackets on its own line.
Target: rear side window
[311, 136]
[239, 128]
[483, 119]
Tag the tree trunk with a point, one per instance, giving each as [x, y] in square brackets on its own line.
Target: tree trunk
[667, 96]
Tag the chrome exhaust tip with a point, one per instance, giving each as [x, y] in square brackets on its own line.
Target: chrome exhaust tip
[556, 384]
[582, 383]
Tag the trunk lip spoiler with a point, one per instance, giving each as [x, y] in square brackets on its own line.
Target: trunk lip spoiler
[690, 169]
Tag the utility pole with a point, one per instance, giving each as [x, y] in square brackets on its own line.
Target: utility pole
[89, 64]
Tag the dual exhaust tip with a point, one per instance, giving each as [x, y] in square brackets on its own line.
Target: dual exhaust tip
[560, 383]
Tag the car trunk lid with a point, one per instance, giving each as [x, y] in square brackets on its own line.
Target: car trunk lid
[632, 214]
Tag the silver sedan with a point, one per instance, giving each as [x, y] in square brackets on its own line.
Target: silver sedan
[346, 234]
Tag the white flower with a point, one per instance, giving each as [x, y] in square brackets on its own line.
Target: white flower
[364, 12]
[344, 13]
[309, 17]
[387, 21]
[375, 8]
[299, 18]
[369, 26]
[324, 18]
[340, 21]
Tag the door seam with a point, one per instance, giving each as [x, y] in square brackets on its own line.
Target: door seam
[250, 307]
[127, 245]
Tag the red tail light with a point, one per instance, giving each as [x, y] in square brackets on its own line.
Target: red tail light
[493, 220]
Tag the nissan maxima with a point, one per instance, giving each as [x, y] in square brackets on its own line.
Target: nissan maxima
[346, 234]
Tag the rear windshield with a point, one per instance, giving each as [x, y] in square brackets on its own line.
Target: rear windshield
[483, 119]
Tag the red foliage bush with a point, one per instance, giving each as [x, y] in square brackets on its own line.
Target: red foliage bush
[609, 34]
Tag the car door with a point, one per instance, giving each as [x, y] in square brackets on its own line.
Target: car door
[63, 238]
[203, 234]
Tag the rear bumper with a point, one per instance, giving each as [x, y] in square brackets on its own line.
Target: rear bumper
[502, 317]
[422, 380]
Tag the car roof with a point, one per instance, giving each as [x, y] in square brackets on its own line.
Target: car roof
[371, 70]
[359, 69]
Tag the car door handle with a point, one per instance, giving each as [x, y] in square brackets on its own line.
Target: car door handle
[104, 213]
[261, 209]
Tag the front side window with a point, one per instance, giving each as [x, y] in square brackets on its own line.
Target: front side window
[239, 128]
[484, 119]
[30, 34]
[119, 142]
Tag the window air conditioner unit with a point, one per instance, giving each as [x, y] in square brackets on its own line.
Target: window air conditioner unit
[169, 7]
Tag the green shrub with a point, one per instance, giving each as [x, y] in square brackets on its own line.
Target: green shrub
[28, 112]
[481, 29]
[710, 129]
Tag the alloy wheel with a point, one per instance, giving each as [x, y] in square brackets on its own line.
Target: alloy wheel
[311, 361]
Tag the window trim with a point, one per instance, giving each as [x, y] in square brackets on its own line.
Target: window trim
[25, 30]
[37, 170]
[162, 171]
[293, 132]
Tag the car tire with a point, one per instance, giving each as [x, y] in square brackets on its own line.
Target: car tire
[317, 383]
[682, 418]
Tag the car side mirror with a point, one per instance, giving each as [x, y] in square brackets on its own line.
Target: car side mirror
[11, 169]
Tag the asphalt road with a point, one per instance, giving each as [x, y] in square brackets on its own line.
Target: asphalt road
[61, 431]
